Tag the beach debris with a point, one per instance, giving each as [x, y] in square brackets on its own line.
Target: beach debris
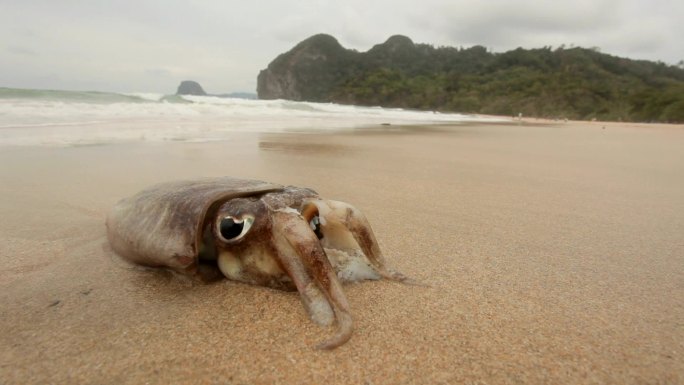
[54, 303]
[255, 232]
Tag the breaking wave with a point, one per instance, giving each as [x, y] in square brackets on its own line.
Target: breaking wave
[44, 117]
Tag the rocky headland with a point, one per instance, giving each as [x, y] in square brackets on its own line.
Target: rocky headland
[565, 82]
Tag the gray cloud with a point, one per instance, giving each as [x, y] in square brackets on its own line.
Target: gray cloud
[16, 50]
[637, 29]
[151, 45]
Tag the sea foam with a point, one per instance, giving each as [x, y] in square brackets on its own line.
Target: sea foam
[38, 117]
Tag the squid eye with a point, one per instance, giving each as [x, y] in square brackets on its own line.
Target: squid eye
[315, 224]
[232, 229]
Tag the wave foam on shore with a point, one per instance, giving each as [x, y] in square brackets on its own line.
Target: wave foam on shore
[44, 117]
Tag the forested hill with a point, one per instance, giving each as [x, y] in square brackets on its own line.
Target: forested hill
[574, 83]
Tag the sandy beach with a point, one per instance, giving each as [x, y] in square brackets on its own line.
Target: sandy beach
[554, 254]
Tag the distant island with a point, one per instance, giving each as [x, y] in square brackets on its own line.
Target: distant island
[566, 82]
[191, 87]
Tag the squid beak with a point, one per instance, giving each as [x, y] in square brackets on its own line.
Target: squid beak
[305, 261]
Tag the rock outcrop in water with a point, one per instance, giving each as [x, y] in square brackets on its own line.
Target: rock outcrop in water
[190, 87]
[574, 83]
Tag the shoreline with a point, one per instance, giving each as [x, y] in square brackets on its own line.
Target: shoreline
[115, 129]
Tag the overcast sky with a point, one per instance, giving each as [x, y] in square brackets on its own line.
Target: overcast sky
[150, 46]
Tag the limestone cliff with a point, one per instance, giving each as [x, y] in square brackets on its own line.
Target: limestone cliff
[319, 65]
[309, 71]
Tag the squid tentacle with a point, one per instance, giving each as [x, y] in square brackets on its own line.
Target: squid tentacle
[315, 278]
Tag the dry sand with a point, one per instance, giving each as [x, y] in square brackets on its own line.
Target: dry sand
[555, 254]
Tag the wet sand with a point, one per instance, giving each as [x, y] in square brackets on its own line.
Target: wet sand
[554, 252]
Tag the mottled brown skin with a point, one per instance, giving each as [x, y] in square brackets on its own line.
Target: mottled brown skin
[289, 239]
[161, 226]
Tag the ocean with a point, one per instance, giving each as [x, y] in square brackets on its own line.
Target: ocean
[63, 118]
